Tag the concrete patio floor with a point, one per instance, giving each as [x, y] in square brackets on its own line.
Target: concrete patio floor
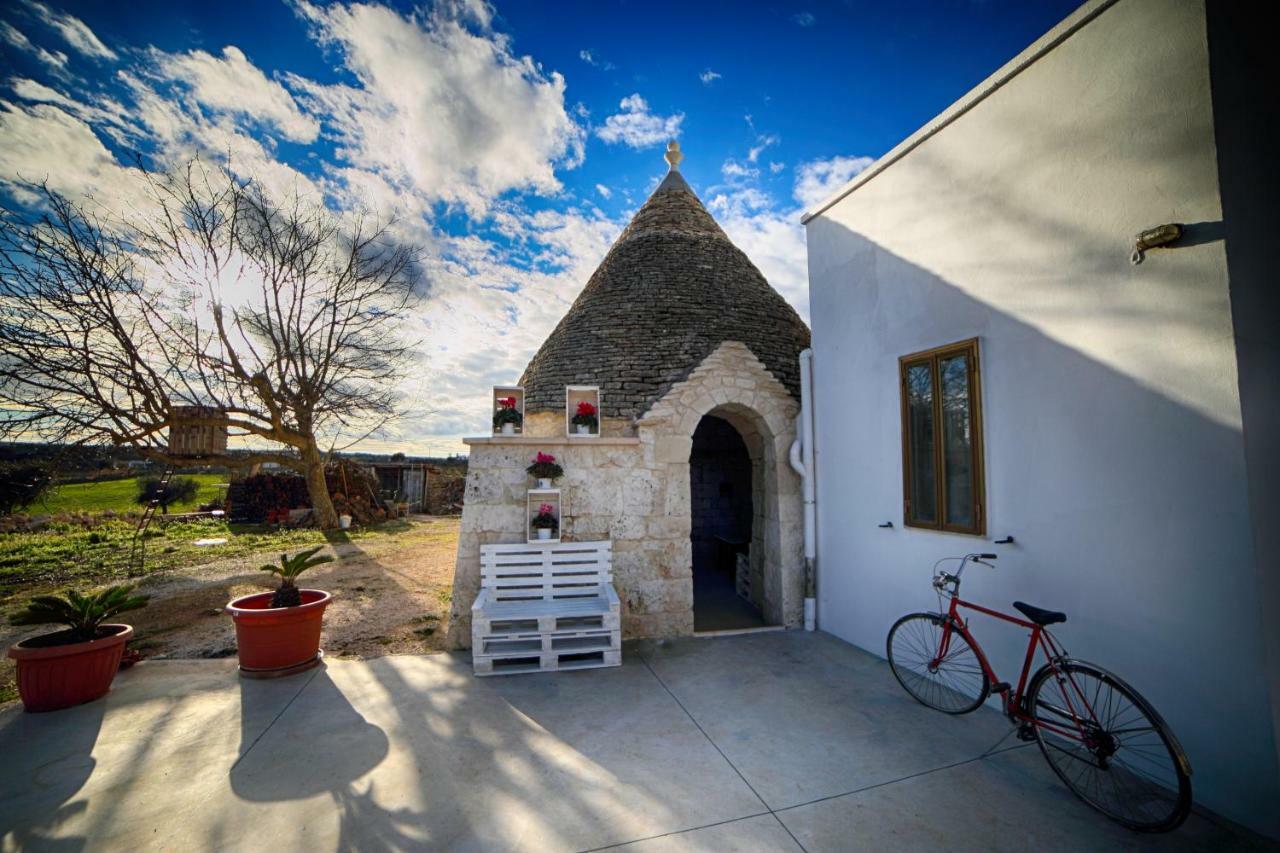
[778, 741]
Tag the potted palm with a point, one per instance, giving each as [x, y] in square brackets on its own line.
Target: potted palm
[278, 633]
[507, 417]
[75, 665]
[545, 469]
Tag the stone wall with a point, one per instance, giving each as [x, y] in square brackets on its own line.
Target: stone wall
[634, 490]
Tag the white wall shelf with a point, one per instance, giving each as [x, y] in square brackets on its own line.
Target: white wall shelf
[508, 392]
[573, 396]
[534, 501]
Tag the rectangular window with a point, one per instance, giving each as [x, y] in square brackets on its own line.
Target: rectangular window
[942, 439]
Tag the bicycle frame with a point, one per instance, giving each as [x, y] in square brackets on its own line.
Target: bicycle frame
[1014, 700]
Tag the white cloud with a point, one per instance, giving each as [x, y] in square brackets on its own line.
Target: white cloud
[73, 31]
[488, 316]
[771, 234]
[591, 58]
[637, 127]
[733, 170]
[604, 191]
[818, 179]
[231, 84]
[45, 143]
[708, 76]
[804, 19]
[738, 202]
[775, 242]
[440, 110]
[762, 142]
[13, 36]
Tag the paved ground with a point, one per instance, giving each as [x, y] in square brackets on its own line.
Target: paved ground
[781, 741]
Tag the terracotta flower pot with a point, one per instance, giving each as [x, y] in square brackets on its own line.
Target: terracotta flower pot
[278, 640]
[52, 677]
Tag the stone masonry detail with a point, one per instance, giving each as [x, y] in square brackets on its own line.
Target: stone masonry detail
[635, 491]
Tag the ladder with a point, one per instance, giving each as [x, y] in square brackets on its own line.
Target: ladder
[138, 550]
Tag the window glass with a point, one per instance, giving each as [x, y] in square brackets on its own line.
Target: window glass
[957, 441]
[920, 449]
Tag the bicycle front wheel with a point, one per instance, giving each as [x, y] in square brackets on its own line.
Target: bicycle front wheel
[1110, 746]
[953, 682]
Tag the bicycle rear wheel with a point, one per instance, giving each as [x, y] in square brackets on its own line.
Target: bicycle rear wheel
[1110, 746]
[956, 684]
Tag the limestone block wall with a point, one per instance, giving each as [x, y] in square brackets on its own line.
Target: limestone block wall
[634, 489]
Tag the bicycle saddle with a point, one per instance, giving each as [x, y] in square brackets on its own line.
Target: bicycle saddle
[1039, 615]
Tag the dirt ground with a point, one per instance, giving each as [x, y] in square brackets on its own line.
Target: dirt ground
[391, 596]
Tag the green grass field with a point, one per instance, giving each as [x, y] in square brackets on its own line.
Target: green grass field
[68, 555]
[121, 495]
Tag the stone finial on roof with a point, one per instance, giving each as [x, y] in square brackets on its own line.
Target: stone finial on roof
[673, 155]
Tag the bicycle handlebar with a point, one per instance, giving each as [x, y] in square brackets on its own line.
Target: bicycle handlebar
[944, 579]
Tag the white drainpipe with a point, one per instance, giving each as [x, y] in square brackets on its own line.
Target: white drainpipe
[802, 462]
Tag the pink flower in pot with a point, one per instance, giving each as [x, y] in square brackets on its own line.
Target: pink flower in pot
[545, 522]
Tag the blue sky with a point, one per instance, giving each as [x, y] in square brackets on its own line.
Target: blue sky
[512, 141]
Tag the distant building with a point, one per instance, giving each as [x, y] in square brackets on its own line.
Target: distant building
[402, 482]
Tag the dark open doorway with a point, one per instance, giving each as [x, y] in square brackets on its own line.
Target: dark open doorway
[720, 493]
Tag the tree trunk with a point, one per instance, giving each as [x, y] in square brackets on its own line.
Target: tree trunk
[317, 489]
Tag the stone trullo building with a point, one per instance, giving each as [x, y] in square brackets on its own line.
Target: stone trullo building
[696, 360]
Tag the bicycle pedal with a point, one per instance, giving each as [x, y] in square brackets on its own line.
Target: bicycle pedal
[1000, 687]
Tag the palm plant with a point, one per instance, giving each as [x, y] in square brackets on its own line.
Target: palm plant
[83, 614]
[288, 595]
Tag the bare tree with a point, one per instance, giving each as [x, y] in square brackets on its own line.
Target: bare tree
[282, 320]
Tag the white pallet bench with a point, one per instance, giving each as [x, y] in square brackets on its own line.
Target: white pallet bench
[545, 608]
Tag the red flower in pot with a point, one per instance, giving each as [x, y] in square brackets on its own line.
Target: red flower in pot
[585, 419]
[278, 633]
[506, 418]
[76, 665]
[546, 469]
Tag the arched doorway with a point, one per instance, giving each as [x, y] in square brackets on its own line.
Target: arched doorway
[724, 498]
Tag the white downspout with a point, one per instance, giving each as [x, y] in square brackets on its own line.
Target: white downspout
[801, 457]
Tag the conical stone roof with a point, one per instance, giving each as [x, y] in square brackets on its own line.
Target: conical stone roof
[671, 289]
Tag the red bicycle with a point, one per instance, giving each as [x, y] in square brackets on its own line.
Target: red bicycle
[1103, 740]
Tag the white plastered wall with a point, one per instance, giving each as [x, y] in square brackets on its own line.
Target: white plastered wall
[1112, 416]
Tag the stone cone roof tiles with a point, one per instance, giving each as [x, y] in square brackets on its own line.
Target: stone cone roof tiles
[671, 289]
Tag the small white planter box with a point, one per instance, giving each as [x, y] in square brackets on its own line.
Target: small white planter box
[536, 498]
[573, 395]
[508, 392]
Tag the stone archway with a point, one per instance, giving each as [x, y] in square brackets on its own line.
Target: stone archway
[766, 546]
[724, 476]
[731, 384]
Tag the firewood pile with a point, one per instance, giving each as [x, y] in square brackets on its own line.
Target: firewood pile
[354, 490]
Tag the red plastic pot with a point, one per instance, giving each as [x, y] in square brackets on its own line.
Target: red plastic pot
[278, 640]
[51, 677]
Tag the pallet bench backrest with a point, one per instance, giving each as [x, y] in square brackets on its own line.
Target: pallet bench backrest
[546, 572]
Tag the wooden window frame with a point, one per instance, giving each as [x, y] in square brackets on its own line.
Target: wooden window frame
[933, 357]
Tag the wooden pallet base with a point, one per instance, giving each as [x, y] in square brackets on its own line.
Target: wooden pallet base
[531, 644]
[487, 627]
[545, 662]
